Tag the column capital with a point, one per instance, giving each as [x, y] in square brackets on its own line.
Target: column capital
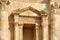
[15, 23]
[37, 26]
[16, 18]
[20, 26]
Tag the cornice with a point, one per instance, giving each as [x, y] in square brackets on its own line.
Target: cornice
[40, 13]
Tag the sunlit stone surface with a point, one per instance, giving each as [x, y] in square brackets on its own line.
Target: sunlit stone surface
[31, 18]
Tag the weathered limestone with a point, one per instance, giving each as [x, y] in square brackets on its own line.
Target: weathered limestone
[20, 31]
[45, 28]
[36, 4]
[37, 33]
[16, 32]
[16, 27]
[56, 25]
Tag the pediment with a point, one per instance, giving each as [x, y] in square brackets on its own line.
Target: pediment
[28, 13]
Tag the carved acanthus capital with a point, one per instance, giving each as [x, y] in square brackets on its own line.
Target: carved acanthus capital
[4, 2]
[55, 5]
[16, 18]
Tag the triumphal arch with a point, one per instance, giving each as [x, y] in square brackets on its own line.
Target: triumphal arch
[26, 24]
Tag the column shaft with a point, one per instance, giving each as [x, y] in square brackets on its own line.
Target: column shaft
[16, 20]
[37, 36]
[21, 32]
[16, 32]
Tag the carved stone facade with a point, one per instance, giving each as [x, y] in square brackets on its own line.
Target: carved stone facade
[29, 20]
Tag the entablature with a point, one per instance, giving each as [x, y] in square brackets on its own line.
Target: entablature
[39, 13]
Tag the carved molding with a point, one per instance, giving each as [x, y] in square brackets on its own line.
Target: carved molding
[28, 8]
[40, 13]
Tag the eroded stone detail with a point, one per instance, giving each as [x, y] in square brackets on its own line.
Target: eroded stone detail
[10, 22]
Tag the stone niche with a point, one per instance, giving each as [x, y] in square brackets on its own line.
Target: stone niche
[26, 24]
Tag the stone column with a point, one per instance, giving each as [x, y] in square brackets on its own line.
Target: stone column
[56, 26]
[37, 31]
[16, 27]
[20, 32]
[45, 28]
[16, 32]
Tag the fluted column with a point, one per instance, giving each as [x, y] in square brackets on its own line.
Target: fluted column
[20, 32]
[16, 18]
